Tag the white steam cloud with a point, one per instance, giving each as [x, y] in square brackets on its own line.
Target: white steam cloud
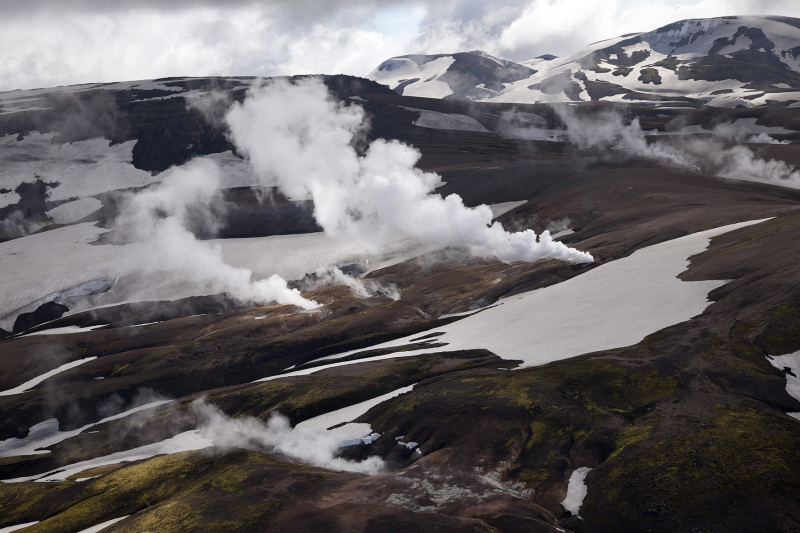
[333, 275]
[713, 155]
[302, 141]
[162, 216]
[317, 447]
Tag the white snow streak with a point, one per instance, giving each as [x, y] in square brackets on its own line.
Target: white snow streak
[46, 434]
[100, 527]
[9, 529]
[186, 441]
[348, 414]
[35, 381]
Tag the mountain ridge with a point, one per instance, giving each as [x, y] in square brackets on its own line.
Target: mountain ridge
[722, 62]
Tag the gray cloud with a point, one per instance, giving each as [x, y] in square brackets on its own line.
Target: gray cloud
[52, 42]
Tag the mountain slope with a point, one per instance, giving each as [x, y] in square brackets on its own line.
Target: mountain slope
[160, 401]
[726, 62]
[465, 76]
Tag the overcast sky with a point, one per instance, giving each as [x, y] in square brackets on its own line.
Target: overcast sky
[57, 42]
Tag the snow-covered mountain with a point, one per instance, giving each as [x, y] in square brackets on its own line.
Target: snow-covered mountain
[466, 75]
[725, 62]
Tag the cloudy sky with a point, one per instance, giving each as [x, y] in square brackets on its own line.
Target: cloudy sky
[56, 42]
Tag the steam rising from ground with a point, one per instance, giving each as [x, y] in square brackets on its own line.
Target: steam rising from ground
[713, 155]
[302, 141]
[164, 217]
[299, 139]
[363, 288]
[310, 446]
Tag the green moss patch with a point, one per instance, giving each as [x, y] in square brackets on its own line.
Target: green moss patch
[650, 75]
[689, 480]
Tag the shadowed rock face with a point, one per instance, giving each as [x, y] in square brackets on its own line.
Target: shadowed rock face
[44, 313]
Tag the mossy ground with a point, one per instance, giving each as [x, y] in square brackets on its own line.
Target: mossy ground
[190, 491]
[742, 455]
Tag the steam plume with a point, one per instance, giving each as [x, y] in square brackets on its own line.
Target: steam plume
[333, 275]
[162, 217]
[299, 139]
[609, 131]
[310, 446]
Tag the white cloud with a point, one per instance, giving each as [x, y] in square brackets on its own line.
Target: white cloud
[523, 30]
[48, 43]
[42, 50]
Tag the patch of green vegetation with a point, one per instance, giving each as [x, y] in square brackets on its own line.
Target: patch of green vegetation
[188, 491]
[533, 476]
[670, 63]
[324, 392]
[710, 347]
[748, 66]
[750, 361]
[622, 71]
[781, 333]
[650, 75]
[743, 455]
[630, 435]
[538, 430]
[607, 386]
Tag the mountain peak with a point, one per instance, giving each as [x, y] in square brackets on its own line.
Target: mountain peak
[724, 61]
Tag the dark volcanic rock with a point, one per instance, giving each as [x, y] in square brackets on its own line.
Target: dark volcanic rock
[44, 313]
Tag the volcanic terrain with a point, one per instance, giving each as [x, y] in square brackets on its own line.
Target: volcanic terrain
[407, 383]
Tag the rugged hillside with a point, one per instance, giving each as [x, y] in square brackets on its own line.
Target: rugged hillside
[465, 76]
[432, 389]
[726, 62]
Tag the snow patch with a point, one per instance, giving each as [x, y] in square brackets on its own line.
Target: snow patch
[563, 233]
[400, 69]
[611, 305]
[790, 362]
[65, 330]
[504, 207]
[83, 168]
[446, 121]
[46, 434]
[100, 527]
[30, 274]
[576, 490]
[35, 381]
[9, 529]
[350, 413]
[186, 441]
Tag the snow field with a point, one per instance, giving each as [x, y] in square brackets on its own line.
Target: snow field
[428, 85]
[614, 305]
[82, 168]
[31, 274]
